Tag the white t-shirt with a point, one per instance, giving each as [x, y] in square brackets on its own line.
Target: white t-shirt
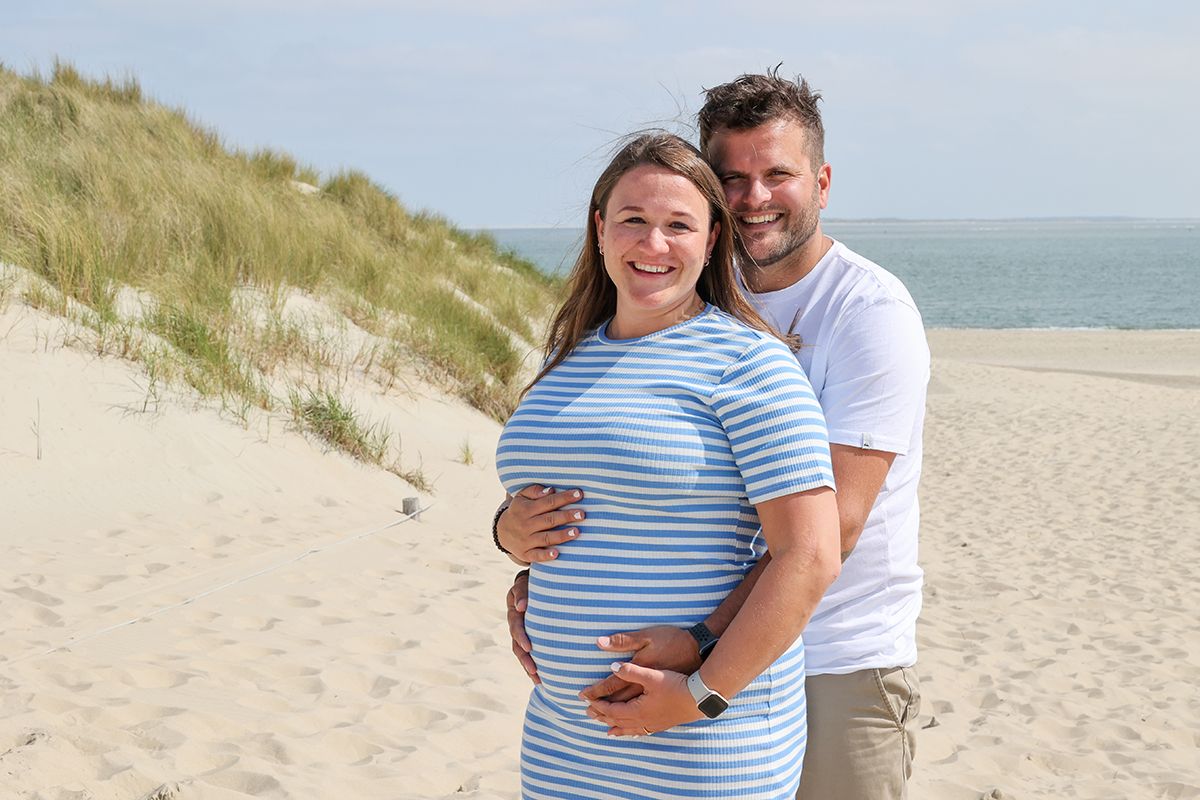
[864, 349]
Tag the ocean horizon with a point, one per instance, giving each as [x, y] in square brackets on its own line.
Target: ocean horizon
[1039, 273]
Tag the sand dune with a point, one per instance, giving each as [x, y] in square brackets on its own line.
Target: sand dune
[1060, 643]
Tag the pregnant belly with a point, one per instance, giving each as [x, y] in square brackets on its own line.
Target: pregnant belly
[564, 620]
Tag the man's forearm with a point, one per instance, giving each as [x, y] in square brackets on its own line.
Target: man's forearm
[720, 618]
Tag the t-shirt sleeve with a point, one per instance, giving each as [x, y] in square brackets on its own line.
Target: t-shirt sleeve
[774, 423]
[877, 377]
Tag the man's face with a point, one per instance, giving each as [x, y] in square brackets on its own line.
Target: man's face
[771, 186]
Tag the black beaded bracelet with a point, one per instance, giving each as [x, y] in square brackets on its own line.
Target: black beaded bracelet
[496, 533]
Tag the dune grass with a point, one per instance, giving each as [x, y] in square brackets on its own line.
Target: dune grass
[104, 189]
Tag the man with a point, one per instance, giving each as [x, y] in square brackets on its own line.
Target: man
[863, 346]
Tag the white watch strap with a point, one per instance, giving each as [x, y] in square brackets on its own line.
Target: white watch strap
[698, 687]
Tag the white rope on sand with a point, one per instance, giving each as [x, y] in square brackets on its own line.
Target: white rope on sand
[75, 640]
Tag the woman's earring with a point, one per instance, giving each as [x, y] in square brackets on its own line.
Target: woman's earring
[600, 247]
[707, 259]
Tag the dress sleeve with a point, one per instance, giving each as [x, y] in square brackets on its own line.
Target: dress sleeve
[774, 423]
[876, 380]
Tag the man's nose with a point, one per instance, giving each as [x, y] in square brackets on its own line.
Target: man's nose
[757, 193]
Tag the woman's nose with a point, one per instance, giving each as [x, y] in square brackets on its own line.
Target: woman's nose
[655, 241]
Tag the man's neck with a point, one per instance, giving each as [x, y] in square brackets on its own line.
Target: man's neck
[791, 269]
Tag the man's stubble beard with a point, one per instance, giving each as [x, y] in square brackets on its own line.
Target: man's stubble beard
[795, 237]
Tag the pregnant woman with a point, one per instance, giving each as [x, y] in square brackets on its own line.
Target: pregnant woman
[699, 446]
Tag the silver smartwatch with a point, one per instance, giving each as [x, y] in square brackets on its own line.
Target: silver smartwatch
[710, 703]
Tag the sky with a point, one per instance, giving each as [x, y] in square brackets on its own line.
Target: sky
[502, 114]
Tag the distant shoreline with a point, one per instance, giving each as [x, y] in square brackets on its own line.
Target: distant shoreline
[1080, 273]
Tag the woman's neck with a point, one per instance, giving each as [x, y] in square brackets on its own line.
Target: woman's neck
[634, 326]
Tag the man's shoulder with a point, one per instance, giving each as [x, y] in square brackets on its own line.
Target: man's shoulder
[860, 282]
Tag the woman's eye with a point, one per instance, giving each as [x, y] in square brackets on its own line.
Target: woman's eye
[635, 220]
[681, 226]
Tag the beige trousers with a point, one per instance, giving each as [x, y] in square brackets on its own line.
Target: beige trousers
[861, 735]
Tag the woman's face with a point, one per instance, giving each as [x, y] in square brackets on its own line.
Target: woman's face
[655, 236]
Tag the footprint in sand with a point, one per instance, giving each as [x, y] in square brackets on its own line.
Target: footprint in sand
[417, 718]
[193, 758]
[348, 747]
[152, 677]
[34, 618]
[34, 596]
[447, 566]
[269, 703]
[480, 700]
[376, 645]
[254, 623]
[300, 685]
[251, 783]
[267, 747]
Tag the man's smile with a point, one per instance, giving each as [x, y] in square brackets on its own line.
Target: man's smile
[759, 218]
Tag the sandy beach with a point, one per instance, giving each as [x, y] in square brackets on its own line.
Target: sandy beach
[198, 608]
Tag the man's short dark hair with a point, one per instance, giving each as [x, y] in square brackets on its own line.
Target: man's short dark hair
[752, 100]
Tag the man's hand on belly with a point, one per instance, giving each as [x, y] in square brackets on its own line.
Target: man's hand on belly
[518, 602]
[661, 647]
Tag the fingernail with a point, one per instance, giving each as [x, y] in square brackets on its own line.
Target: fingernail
[577, 515]
[615, 666]
[577, 494]
[554, 554]
[548, 490]
[603, 641]
[521, 605]
[572, 533]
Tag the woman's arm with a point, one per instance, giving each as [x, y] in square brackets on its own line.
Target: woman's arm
[802, 535]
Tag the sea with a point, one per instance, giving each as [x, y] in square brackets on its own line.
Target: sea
[1052, 273]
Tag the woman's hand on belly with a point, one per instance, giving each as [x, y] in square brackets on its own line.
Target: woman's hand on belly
[664, 703]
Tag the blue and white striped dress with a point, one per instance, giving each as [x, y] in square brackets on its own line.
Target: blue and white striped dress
[672, 437]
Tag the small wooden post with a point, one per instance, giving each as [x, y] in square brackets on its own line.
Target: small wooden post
[412, 507]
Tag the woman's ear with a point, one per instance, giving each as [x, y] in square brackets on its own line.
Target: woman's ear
[712, 240]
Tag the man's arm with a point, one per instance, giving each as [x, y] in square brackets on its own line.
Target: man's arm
[859, 475]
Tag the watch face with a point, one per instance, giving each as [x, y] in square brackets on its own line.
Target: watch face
[713, 705]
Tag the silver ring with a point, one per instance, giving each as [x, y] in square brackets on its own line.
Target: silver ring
[647, 730]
